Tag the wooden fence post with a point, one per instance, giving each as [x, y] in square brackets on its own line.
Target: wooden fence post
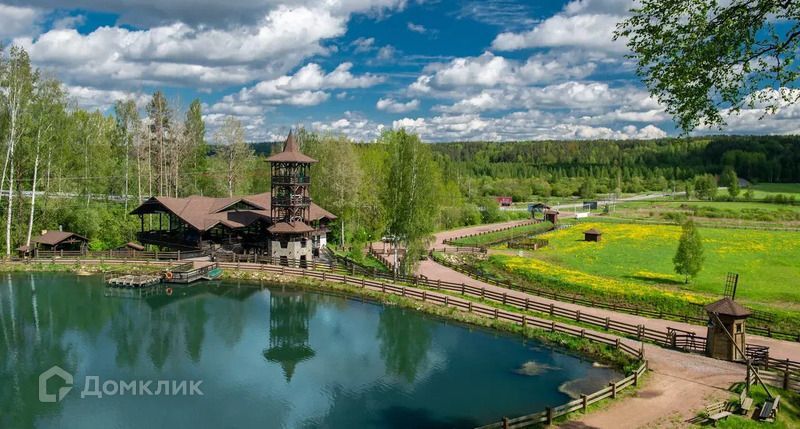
[578, 316]
[585, 399]
[786, 376]
[549, 417]
[636, 378]
[551, 309]
[613, 390]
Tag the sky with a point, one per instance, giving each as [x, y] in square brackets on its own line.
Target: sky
[448, 70]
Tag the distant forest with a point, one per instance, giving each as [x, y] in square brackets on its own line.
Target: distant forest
[563, 168]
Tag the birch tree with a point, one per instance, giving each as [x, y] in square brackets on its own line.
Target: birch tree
[128, 127]
[233, 150]
[410, 195]
[17, 81]
[336, 177]
[48, 108]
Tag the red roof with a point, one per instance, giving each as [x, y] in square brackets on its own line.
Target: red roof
[291, 153]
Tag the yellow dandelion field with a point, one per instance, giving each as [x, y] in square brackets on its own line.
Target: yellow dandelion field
[636, 260]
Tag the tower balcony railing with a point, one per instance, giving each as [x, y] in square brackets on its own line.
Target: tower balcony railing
[291, 180]
[291, 201]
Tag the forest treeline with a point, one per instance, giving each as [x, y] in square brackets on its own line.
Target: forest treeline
[561, 168]
[65, 166]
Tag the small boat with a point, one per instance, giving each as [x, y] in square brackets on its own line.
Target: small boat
[214, 274]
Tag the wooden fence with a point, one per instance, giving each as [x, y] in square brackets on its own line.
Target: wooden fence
[581, 404]
[118, 254]
[410, 286]
[452, 241]
[699, 319]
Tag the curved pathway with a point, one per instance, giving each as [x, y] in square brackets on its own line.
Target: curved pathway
[778, 349]
[679, 385]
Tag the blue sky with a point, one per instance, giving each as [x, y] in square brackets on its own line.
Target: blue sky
[449, 70]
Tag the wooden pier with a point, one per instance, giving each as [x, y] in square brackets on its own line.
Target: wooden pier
[192, 271]
[134, 281]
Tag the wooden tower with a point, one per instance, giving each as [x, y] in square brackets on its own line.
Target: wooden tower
[290, 204]
[726, 338]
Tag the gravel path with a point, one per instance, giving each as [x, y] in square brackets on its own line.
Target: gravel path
[679, 384]
[778, 349]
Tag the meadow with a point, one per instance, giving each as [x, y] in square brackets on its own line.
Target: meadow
[633, 263]
[735, 213]
[760, 190]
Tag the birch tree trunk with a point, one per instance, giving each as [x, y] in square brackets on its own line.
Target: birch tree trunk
[33, 188]
[10, 205]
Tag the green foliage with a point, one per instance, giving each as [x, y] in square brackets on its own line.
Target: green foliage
[729, 180]
[705, 187]
[336, 178]
[689, 258]
[410, 193]
[699, 57]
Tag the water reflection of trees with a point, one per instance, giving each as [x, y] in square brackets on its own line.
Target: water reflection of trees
[38, 310]
[289, 315]
[404, 342]
[29, 345]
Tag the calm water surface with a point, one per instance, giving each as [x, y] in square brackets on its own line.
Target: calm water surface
[268, 356]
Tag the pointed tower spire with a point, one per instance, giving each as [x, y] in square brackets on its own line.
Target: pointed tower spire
[291, 153]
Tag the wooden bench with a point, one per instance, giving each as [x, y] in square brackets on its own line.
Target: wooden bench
[717, 412]
[770, 409]
[745, 402]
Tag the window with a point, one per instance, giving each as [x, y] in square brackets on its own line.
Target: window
[284, 244]
[285, 261]
[303, 243]
[738, 328]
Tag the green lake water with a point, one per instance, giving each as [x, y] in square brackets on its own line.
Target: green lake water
[267, 356]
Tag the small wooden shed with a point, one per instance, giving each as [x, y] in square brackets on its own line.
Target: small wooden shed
[592, 235]
[726, 315]
[551, 216]
[504, 201]
[60, 240]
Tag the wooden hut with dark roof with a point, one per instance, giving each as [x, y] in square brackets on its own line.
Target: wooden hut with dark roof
[726, 337]
[244, 224]
[592, 235]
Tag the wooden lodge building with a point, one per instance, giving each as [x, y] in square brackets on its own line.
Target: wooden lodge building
[283, 223]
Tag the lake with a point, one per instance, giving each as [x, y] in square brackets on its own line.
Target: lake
[261, 355]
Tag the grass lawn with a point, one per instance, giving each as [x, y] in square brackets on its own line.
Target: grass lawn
[484, 239]
[633, 262]
[763, 189]
[788, 413]
[738, 213]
